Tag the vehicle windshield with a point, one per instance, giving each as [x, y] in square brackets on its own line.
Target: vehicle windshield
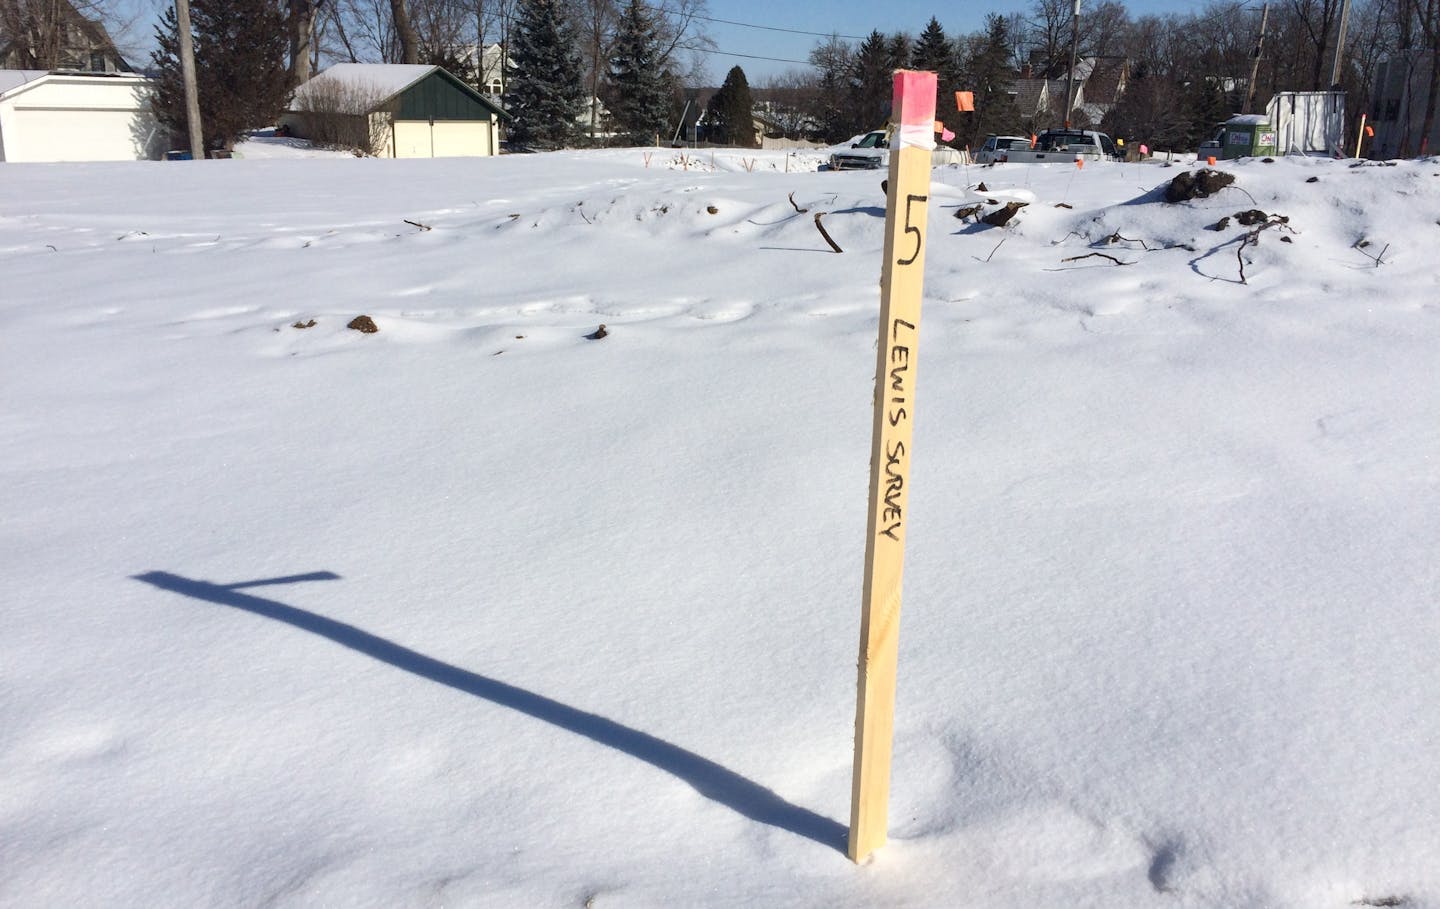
[873, 140]
[1054, 141]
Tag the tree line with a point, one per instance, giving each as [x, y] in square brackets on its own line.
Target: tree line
[1185, 71]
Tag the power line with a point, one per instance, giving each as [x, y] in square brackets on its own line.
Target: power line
[772, 28]
[721, 53]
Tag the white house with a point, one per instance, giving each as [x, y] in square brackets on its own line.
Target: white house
[74, 116]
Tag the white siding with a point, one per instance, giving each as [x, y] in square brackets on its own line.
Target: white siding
[77, 118]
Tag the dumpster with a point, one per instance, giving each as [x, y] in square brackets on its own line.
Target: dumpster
[1242, 136]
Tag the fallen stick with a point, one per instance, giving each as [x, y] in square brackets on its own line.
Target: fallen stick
[416, 224]
[820, 227]
[796, 206]
[1097, 255]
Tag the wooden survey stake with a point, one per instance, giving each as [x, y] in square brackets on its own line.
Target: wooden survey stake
[901, 285]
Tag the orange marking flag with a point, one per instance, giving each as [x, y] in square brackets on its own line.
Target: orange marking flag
[965, 101]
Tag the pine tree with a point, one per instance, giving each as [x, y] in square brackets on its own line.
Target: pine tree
[240, 73]
[730, 114]
[897, 51]
[935, 53]
[545, 94]
[989, 76]
[872, 82]
[640, 90]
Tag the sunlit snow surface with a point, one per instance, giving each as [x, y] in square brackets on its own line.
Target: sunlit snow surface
[478, 611]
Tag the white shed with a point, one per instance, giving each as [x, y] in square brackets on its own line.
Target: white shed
[396, 110]
[72, 116]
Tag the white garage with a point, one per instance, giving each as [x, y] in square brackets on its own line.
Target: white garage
[60, 116]
[396, 110]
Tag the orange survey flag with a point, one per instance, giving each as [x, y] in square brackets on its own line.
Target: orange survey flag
[965, 101]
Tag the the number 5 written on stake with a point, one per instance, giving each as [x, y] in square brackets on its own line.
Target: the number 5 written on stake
[911, 199]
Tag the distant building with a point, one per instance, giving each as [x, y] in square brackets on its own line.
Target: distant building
[1098, 85]
[1397, 109]
[72, 116]
[396, 110]
[53, 35]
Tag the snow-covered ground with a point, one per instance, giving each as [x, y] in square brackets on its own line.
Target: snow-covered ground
[478, 611]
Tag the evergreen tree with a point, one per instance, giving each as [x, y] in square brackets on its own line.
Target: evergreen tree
[897, 51]
[240, 73]
[640, 90]
[545, 94]
[731, 112]
[989, 76]
[935, 53]
[871, 82]
[932, 52]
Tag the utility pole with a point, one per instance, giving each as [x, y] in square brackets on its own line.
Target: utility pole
[187, 73]
[1340, 43]
[1255, 66]
[1070, 76]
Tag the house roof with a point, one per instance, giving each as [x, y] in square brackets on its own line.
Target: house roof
[1029, 96]
[1107, 80]
[383, 79]
[15, 81]
[14, 78]
[379, 83]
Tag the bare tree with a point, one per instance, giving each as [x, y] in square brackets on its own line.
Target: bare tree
[301, 25]
[405, 32]
[595, 25]
[1049, 31]
[60, 34]
[1316, 21]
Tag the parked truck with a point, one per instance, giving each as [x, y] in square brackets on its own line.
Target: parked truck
[872, 151]
[1064, 145]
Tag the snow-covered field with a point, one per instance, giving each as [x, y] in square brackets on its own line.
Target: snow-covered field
[478, 611]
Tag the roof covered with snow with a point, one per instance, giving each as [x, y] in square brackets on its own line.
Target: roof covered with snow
[381, 80]
[14, 78]
[13, 81]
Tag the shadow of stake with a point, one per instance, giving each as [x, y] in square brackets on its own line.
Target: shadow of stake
[706, 777]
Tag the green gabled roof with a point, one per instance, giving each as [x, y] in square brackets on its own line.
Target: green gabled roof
[444, 97]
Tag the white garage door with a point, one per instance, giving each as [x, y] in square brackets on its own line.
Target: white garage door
[78, 135]
[442, 139]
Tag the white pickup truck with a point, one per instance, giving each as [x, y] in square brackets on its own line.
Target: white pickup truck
[872, 151]
[1064, 145]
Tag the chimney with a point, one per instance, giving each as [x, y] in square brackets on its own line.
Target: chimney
[1026, 72]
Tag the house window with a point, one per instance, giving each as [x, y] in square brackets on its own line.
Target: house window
[97, 61]
[493, 86]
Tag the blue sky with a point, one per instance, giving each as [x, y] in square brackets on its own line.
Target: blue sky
[853, 18]
[845, 17]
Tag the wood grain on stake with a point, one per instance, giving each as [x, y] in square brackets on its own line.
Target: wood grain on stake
[901, 286]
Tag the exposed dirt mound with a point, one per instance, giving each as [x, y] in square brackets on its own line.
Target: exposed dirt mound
[365, 324]
[1001, 216]
[1197, 185]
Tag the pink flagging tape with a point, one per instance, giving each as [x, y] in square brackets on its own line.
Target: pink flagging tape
[913, 108]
